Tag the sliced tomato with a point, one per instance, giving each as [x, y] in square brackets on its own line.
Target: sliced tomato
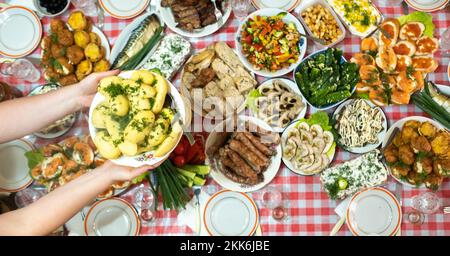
[258, 47]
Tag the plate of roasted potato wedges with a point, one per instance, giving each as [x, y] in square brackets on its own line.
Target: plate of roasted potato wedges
[73, 50]
[419, 154]
[136, 118]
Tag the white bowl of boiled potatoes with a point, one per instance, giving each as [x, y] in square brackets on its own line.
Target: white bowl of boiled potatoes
[136, 118]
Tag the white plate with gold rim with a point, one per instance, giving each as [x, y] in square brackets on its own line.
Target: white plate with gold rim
[20, 31]
[287, 5]
[112, 217]
[427, 5]
[374, 212]
[230, 213]
[121, 9]
[14, 171]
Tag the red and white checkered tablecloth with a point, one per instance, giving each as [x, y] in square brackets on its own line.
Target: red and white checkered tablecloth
[310, 211]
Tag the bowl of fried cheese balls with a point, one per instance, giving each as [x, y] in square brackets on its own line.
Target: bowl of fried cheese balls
[136, 118]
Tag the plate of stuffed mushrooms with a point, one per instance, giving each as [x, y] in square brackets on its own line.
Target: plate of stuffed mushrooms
[73, 50]
[419, 154]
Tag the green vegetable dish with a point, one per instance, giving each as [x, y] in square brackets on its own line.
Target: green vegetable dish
[325, 78]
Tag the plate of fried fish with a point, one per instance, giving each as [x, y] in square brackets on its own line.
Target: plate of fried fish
[244, 154]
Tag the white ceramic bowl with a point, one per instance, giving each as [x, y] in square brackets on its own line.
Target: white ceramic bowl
[288, 18]
[368, 147]
[145, 158]
[329, 105]
[41, 10]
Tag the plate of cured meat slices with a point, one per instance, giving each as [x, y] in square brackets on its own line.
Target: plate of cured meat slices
[244, 154]
[395, 60]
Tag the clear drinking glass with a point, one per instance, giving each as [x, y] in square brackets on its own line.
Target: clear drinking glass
[271, 197]
[87, 6]
[240, 8]
[144, 200]
[27, 196]
[427, 203]
[444, 43]
[21, 69]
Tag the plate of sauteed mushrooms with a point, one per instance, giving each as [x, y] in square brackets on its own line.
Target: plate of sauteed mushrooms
[277, 102]
[136, 118]
[419, 154]
[72, 51]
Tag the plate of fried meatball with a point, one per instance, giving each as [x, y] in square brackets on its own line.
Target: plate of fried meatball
[419, 154]
[72, 51]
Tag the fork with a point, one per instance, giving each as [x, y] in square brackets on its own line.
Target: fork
[315, 39]
[101, 15]
[218, 13]
[447, 210]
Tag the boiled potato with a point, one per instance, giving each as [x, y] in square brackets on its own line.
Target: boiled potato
[107, 81]
[119, 105]
[100, 115]
[105, 146]
[131, 86]
[101, 65]
[83, 69]
[92, 52]
[94, 38]
[161, 91]
[158, 132]
[170, 142]
[139, 127]
[81, 38]
[77, 20]
[167, 113]
[146, 91]
[143, 76]
[128, 148]
[138, 103]
[113, 128]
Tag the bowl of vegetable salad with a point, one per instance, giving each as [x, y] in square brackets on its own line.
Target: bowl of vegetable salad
[269, 43]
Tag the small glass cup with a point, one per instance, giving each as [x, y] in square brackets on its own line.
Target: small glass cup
[427, 203]
[144, 200]
[444, 43]
[271, 197]
[240, 8]
[415, 217]
[27, 196]
[21, 69]
[87, 6]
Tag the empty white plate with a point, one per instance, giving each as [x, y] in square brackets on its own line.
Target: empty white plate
[14, 171]
[427, 5]
[374, 212]
[20, 31]
[230, 213]
[287, 5]
[121, 9]
[112, 217]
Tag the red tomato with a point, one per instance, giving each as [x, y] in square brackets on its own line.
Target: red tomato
[258, 47]
[179, 161]
[182, 146]
[248, 39]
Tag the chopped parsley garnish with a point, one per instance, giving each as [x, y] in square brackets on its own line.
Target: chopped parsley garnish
[410, 72]
[54, 38]
[114, 90]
